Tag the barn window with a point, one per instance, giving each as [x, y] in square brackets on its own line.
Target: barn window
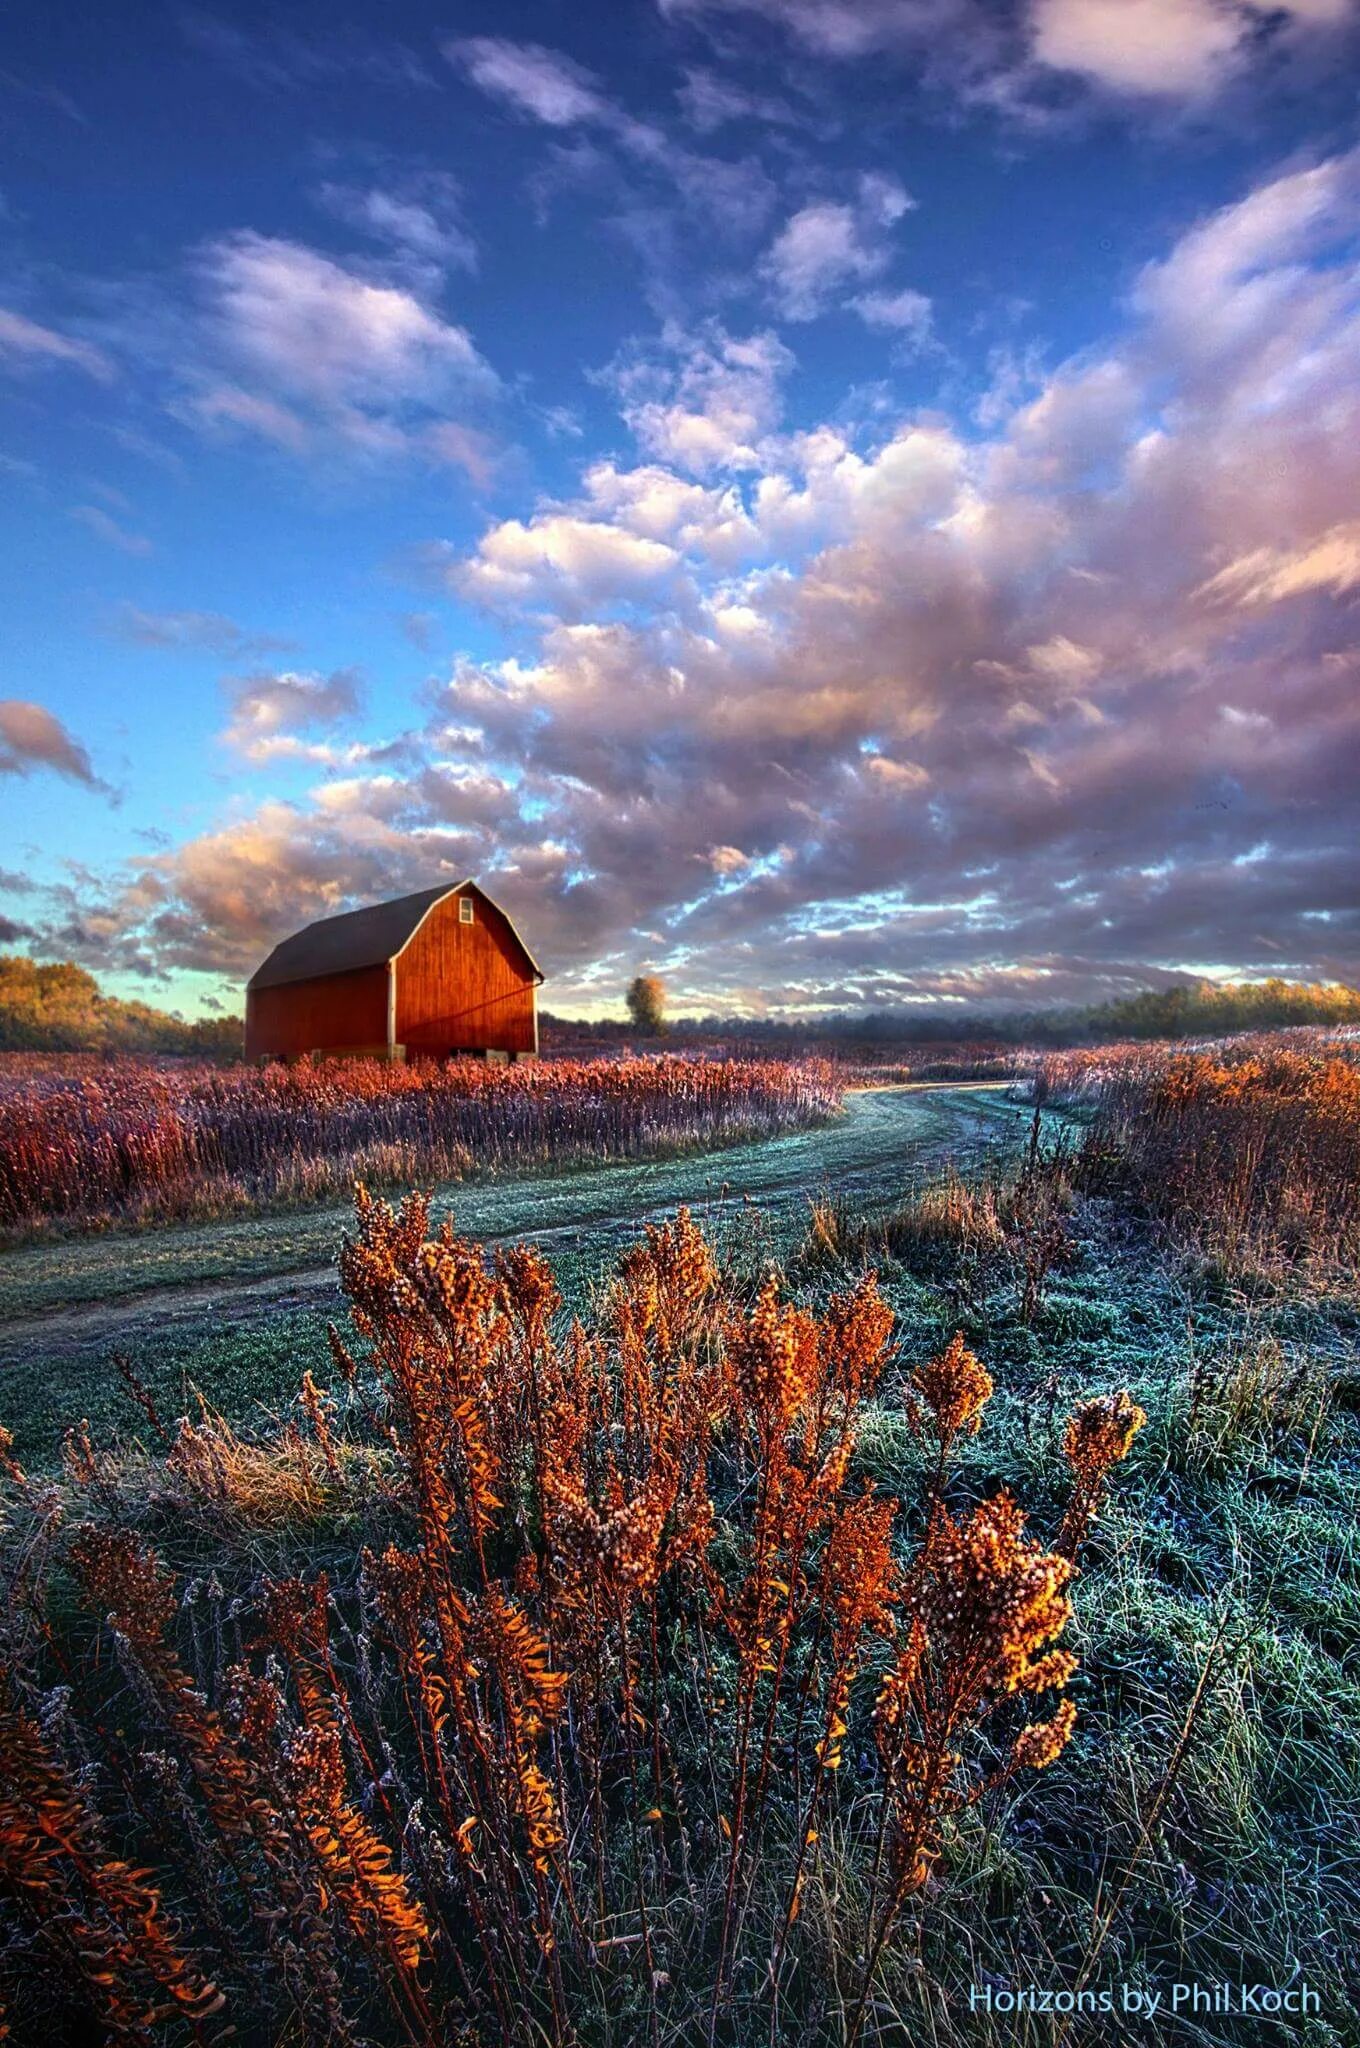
[465, 910]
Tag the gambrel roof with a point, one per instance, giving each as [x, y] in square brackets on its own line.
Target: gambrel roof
[365, 938]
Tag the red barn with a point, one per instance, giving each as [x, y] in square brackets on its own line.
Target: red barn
[440, 972]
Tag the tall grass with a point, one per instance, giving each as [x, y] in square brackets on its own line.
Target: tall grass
[1250, 1154]
[622, 1686]
[98, 1141]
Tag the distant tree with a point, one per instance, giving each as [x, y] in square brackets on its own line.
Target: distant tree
[55, 1006]
[647, 1004]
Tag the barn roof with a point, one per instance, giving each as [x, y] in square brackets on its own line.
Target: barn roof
[363, 938]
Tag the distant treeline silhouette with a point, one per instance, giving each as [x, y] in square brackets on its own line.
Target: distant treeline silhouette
[1190, 1010]
[58, 1007]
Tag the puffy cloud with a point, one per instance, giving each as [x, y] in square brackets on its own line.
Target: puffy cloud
[1165, 49]
[26, 345]
[704, 402]
[906, 314]
[1180, 48]
[324, 359]
[267, 708]
[32, 737]
[902, 710]
[828, 245]
[326, 335]
[1140, 51]
[558, 554]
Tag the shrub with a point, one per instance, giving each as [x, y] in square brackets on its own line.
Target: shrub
[626, 1636]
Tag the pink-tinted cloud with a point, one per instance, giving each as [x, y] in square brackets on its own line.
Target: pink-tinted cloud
[1039, 709]
[31, 738]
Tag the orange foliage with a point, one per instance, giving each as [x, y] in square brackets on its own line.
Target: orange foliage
[625, 1598]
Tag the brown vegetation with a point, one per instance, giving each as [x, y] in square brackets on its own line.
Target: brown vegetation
[629, 1645]
[1251, 1152]
[129, 1140]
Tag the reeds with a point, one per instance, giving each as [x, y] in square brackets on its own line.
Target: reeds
[1250, 1153]
[551, 1749]
[103, 1141]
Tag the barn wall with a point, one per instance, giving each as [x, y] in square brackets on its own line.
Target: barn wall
[464, 987]
[332, 1013]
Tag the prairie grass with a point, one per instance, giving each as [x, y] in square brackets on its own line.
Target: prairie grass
[1250, 1154]
[90, 1143]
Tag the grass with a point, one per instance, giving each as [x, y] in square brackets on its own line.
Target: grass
[1220, 1589]
[97, 1144]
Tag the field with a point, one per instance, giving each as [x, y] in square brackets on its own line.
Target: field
[96, 1142]
[681, 1673]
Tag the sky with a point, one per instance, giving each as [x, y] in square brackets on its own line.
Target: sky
[838, 502]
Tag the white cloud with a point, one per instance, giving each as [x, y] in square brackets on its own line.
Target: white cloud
[885, 710]
[1330, 561]
[1166, 49]
[906, 313]
[828, 245]
[106, 528]
[24, 344]
[422, 223]
[536, 81]
[1163, 52]
[556, 555]
[319, 332]
[228, 405]
[1177, 48]
[269, 706]
[704, 402]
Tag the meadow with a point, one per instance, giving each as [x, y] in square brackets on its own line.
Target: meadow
[812, 1626]
[96, 1142]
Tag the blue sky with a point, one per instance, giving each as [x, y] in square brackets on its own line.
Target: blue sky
[839, 501]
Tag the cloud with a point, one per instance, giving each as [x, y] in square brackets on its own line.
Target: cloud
[710, 101]
[839, 28]
[827, 245]
[547, 87]
[1045, 705]
[210, 632]
[541, 83]
[327, 360]
[268, 707]
[557, 555]
[227, 405]
[1329, 562]
[106, 528]
[703, 401]
[324, 334]
[420, 218]
[1165, 49]
[32, 737]
[906, 313]
[1139, 52]
[25, 345]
